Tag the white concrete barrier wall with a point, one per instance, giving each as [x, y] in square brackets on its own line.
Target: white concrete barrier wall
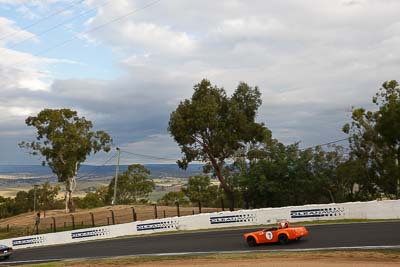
[388, 209]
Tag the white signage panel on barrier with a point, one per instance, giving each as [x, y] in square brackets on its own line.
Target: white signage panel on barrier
[389, 209]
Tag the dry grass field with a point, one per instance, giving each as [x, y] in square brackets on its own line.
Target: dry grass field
[270, 259]
[83, 218]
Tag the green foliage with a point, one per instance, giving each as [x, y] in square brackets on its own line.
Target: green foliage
[7, 207]
[65, 140]
[200, 191]
[133, 185]
[271, 174]
[170, 199]
[96, 199]
[46, 196]
[375, 143]
[46, 199]
[212, 127]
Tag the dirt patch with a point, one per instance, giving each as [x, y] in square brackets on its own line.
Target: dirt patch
[101, 216]
[300, 259]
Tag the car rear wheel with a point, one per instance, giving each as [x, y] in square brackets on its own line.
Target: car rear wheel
[251, 241]
[283, 239]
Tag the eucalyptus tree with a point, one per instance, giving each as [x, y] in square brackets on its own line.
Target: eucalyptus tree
[65, 140]
[211, 127]
[375, 142]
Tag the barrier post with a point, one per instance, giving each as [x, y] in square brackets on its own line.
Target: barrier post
[177, 209]
[222, 204]
[199, 206]
[155, 211]
[92, 217]
[133, 214]
[112, 217]
[73, 221]
[54, 224]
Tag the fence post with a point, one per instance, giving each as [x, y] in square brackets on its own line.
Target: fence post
[133, 214]
[177, 209]
[112, 217]
[222, 204]
[164, 214]
[108, 220]
[199, 206]
[92, 217]
[8, 228]
[192, 212]
[54, 223]
[155, 211]
[73, 221]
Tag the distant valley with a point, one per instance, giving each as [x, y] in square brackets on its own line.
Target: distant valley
[36, 174]
[168, 177]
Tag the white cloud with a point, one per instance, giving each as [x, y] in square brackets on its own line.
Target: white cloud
[311, 59]
[133, 35]
[10, 33]
[305, 55]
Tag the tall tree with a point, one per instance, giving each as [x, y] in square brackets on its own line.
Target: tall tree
[211, 127]
[375, 141]
[388, 125]
[65, 140]
[133, 185]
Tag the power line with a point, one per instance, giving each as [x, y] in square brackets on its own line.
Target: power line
[326, 144]
[147, 156]
[89, 31]
[58, 25]
[169, 159]
[43, 19]
[96, 167]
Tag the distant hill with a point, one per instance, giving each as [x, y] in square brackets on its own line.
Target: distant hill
[37, 173]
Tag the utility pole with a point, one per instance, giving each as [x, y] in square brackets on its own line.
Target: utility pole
[34, 196]
[116, 178]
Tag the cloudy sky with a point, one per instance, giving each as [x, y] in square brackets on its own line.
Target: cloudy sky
[126, 64]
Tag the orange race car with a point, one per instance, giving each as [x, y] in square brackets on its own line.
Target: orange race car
[282, 234]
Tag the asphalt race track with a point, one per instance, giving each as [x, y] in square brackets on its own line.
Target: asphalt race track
[320, 236]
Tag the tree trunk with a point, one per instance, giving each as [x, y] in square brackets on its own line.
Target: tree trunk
[229, 193]
[70, 185]
[331, 196]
